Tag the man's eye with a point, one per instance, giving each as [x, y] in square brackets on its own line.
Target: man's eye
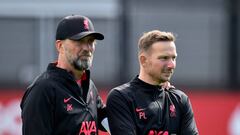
[163, 58]
[174, 58]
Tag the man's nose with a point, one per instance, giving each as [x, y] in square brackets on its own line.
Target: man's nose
[171, 64]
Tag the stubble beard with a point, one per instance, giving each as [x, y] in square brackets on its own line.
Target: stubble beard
[78, 63]
[160, 78]
[167, 76]
[82, 64]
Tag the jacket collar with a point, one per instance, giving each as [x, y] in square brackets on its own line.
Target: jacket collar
[146, 86]
[66, 74]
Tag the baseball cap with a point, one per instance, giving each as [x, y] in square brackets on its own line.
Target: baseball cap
[76, 27]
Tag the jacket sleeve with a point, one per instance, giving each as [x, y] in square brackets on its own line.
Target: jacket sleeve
[37, 111]
[119, 115]
[188, 124]
[101, 112]
[101, 107]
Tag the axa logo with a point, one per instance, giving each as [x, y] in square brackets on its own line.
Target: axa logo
[155, 132]
[88, 128]
[141, 113]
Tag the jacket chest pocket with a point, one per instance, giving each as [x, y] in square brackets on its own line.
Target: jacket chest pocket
[149, 115]
[68, 105]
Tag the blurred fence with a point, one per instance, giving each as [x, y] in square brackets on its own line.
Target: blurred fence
[207, 38]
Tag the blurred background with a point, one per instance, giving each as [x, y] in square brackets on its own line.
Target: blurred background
[208, 46]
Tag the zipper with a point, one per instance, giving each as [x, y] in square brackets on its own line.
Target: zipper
[159, 106]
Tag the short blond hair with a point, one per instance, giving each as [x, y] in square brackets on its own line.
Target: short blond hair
[149, 38]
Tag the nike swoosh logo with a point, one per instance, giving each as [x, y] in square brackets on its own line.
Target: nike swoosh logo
[139, 109]
[65, 100]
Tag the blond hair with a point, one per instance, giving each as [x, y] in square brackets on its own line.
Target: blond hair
[149, 38]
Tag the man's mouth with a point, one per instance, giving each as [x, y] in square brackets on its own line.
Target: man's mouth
[168, 72]
[85, 56]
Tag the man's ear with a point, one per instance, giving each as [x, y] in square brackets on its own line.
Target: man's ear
[59, 46]
[142, 59]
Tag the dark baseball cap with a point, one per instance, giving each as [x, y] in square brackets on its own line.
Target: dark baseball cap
[76, 27]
